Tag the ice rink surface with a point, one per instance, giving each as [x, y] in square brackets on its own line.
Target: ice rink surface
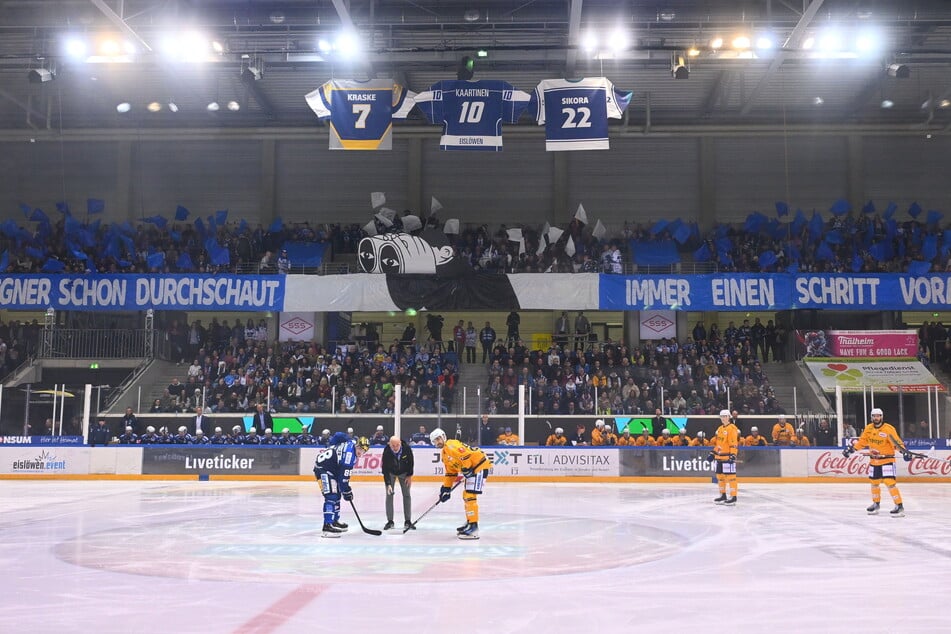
[152, 556]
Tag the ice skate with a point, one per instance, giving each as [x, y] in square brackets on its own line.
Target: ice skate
[343, 527]
[331, 531]
[873, 509]
[461, 529]
[721, 499]
[471, 531]
[408, 526]
[898, 511]
[730, 501]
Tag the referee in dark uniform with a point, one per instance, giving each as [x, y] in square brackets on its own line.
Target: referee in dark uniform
[398, 467]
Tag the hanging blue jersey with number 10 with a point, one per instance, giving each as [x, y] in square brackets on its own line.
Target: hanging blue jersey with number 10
[472, 112]
[575, 112]
[361, 113]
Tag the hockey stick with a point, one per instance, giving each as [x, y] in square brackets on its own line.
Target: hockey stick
[368, 531]
[426, 512]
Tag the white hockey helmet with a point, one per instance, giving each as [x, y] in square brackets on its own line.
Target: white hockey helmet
[700, 434]
[268, 431]
[877, 412]
[287, 431]
[236, 428]
[559, 430]
[725, 412]
[379, 427]
[326, 432]
[253, 430]
[128, 427]
[150, 429]
[199, 432]
[217, 430]
[666, 432]
[182, 429]
[754, 428]
[435, 434]
[599, 422]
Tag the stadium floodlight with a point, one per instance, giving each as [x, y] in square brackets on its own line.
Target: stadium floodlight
[324, 46]
[172, 106]
[887, 103]
[123, 107]
[347, 44]
[154, 107]
[716, 43]
[589, 43]
[234, 106]
[75, 47]
[765, 42]
[213, 107]
[617, 40]
[741, 42]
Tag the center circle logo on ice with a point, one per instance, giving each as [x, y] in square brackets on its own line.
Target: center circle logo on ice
[288, 548]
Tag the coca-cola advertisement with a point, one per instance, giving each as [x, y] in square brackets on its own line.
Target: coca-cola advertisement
[832, 464]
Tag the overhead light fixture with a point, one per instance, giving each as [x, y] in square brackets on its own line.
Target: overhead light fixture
[765, 42]
[831, 41]
[123, 107]
[693, 52]
[324, 46]
[234, 106]
[347, 44]
[887, 103]
[75, 47]
[172, 106]
[818, 101]
[40, 75]
[109, 47]
[808, 43]
[617, 40]
[741, 42]
[678, 66]
[213, 107]
[944, 103]
[589, 42]
[900, 71]
[217, 47]
[482, 53]
[667, 15]
[466, 69]
[154, 107]
[471, 15]
[716, 43]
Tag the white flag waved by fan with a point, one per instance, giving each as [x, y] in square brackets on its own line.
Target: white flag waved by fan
[570, 247]
[553, 234]
[451, 227]
[386, 222]
[541, 245]
[581, 215]
[377, 199]
[514, 235]
[434, 206]
[599, 230]
[412, 223]
[370, 228]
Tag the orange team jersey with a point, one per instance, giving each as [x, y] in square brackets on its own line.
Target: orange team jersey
[458, 456]
[597, 436]
[641, 441]
[681, 441]
[663, 441]
[507, 439]
[626, 441]
[701, 442]
[727, 441]
[610, 439]
[783, 434]
[555, 441]
[883, 440]
[802, 442]
[754, 441]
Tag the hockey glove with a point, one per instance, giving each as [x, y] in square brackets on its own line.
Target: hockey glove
[732, 458]
[711, 457]
[848, 451]
[907, 455]
[467, 473]
[348, 495]
[444, 494]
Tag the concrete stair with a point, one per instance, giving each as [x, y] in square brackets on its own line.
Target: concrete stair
[472, 376]
[791, 388]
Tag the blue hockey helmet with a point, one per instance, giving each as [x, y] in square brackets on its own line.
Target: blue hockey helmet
[339, 438]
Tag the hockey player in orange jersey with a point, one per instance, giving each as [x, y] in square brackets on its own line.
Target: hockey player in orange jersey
[881, 440]
[724, 451]
[473, 464]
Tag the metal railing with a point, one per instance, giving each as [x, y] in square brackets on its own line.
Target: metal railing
[326, 268]
[75, 343]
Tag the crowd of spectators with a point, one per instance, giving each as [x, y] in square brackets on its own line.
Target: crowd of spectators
[696, 376]
[233, 368]
[845, 242]
[18, 341]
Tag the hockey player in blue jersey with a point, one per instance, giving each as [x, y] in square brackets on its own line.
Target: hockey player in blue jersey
[332, 470]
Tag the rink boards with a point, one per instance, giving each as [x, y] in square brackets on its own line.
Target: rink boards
[529, 464]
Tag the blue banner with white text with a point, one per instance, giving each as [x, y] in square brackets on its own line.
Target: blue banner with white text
[775, 291]
[140, 292]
